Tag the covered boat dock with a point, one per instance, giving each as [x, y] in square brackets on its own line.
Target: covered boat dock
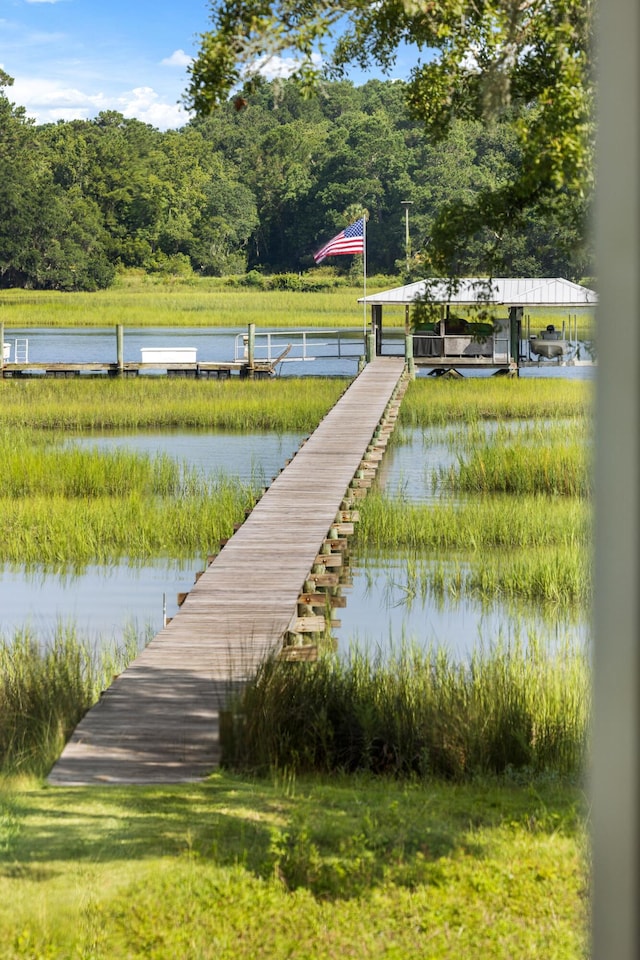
[477, 322]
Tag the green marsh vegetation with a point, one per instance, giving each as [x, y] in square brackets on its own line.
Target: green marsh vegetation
[205, 302]
[145, 403]
[74, 506]
[46, 688]
[463, 821]
[519, 529]
[61, 504]
[515, 517]
[310, 300]
[418, 713]
[475, 400]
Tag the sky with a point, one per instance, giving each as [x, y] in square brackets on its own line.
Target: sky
[72, 59]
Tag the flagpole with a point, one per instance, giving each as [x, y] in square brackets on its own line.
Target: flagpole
[364, 279]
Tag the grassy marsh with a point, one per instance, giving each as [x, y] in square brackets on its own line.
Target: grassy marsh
[417, 713]
[306, 865]
[57, 531]
[442, 402]
[139, 301]
[476, 525]
[200, 304]
[549, 468]
[520, 526]
[46, 688]
[66, 505]
[84, 405]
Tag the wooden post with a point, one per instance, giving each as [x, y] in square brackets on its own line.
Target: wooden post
[515, 332]
[376, 326]
[120, 348]
[251, 348]
[408, 355]
[371, 347]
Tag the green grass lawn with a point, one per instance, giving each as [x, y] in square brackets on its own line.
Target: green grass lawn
[304, 868]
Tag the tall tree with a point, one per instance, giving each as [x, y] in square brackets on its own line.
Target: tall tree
[526, 60]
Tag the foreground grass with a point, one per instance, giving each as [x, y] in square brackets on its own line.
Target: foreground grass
[238, 869]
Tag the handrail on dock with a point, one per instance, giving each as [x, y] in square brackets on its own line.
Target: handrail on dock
[303, 343]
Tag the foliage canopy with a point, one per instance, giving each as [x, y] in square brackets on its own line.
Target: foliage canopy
[526, 61]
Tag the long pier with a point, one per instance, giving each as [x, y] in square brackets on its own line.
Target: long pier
[158, 722]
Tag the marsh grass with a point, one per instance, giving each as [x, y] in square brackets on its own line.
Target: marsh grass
[441, 402]
[554, 468]
[82, 405]
[417, 713]
[56, 530]
[200, 304]
[74, 472]
[46, 688]
[70, 505]
[553, 578]
[493, 521]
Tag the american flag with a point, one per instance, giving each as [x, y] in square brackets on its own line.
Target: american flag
[349, 240]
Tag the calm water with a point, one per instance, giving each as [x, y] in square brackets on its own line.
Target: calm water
[100, 601]
[98, 344]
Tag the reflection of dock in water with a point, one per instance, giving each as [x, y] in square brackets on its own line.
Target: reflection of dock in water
[269, 589]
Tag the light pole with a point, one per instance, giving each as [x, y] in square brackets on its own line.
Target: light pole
[407, 243]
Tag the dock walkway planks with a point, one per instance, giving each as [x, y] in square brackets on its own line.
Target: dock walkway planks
[158, 721]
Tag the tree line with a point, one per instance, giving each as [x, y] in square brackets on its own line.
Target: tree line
[260, 184]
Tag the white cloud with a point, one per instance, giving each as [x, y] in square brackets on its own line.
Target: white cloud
[144, 104]
[43, 1]
[279, 68]
[177, 59]
[48, 101]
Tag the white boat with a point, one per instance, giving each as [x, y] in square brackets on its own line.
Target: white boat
[548, 346]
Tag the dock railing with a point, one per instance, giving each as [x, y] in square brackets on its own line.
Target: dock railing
[454, 346]
[306, 345]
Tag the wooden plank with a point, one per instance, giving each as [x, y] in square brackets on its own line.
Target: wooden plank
[158, 721]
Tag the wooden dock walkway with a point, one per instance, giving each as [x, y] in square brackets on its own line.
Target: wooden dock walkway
[158, 722]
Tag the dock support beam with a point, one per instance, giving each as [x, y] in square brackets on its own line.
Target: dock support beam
[408, 355]
[251, 349]
[120, 348]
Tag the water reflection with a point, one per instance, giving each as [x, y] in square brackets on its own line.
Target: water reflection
[381, 605]
[251, 457]
[100, 601]
[382, 608]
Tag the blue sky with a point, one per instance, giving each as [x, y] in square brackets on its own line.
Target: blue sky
[74, 58]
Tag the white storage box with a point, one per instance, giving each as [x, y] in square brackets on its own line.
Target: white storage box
[168, 354]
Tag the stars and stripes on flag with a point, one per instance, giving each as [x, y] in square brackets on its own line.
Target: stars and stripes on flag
[349, 240]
